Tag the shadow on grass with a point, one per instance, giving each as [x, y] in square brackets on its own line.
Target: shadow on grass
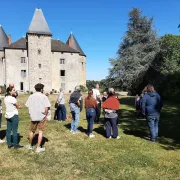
[35, 140]
[3, 135]
[169, 125]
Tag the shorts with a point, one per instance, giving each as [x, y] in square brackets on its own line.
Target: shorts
[37, 124]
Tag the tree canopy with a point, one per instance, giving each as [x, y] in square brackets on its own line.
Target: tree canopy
[136, 53]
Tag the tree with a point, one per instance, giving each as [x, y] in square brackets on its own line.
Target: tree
[136, 53]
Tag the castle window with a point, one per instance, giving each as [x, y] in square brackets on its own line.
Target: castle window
[61, 52]
[23, 73]
[62, 61]
[39, 66]
[63, 86]
[39, 51]
[62, 72]
[23, 60]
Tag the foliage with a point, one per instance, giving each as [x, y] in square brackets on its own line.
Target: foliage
[136, 53]
[83, 88]
[91, 84]
[3, 88]
[170, 51]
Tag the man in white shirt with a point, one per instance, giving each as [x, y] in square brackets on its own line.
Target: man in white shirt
[96, 95]
[38, 105]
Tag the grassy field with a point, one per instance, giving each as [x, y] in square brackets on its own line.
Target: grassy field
[71, 157]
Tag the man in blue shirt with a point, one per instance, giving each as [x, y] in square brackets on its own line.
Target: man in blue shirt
[151, 107]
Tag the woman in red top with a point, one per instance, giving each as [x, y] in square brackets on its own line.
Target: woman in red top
[111, 106]
[90, 105]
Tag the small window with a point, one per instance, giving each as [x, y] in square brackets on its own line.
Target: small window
[39, 66]
[21, 86]
[71, 53]
[62, 61]
[62, 72]
[23, 73]
[61, 52]
[39, 51]
[23, 50]
[23, 60]
[63, 86]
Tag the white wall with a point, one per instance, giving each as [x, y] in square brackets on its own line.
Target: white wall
[14, 66]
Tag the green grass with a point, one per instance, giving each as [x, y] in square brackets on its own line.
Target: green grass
[71, 157]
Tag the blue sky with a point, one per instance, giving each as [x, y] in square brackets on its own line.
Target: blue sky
[98, 25]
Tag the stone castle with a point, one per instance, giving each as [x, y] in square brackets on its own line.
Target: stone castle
[37, 58]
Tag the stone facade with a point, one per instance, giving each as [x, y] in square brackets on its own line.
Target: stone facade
[34, 59]
[44, 67]
[40, 62]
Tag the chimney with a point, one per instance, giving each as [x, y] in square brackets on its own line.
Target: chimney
[9, 39]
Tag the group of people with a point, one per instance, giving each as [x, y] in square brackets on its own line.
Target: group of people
[39, 111]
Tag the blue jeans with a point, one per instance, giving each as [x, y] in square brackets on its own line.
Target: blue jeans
[111, 123]
[90, 116]
[75, 118]
[153, 126]
[12, 126]
[61, 112]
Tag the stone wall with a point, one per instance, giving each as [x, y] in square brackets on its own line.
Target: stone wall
[83, 70]
[13, 68]
[72, 69]
[40, 63]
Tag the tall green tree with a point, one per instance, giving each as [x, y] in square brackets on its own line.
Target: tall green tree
[136, 53]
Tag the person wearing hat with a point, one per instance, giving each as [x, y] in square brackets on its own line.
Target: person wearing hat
[61, 114]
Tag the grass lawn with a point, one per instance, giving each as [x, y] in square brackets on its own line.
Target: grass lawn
[71, 157]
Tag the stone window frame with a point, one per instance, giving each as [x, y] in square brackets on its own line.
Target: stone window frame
[23, 60]
[23, 73]
[62, 61]
[63, 85]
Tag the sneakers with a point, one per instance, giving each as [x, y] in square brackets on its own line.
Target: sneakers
[91, 135]
[39, 149]
[118, 137]
[76, 132]
[71, 131]
[9, 147]
[2, 141]
[109, 137]
[29, 147]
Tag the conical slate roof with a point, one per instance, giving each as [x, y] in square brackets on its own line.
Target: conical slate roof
[3, 38]
[38, 24]
[72, 42]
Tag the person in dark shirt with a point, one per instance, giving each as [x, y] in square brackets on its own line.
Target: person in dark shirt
[151, 108]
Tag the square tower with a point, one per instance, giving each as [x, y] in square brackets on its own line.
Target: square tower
[39, 52]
